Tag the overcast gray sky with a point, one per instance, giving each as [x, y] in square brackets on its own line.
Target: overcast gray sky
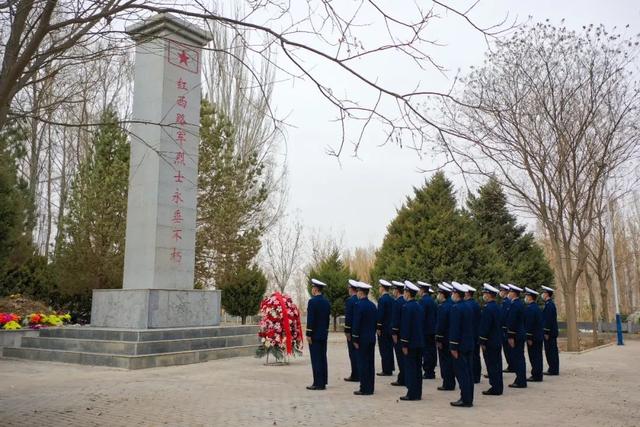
[357, 197]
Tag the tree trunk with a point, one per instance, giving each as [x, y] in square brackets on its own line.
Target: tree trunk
[592, 306]
[604, 297]
[573, 341]
[243, 320]
[335, 323]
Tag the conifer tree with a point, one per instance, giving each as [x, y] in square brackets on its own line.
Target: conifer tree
[243, 292]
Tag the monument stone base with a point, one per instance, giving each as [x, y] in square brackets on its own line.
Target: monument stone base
[154, 308]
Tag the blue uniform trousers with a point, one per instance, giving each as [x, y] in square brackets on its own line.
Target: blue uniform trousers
[507, 353]
[518, 363]
[493, 362]
[551, 352]
[366, 365]
[385, 344]
[446, 368]
[535, 359]
[430, 357]
[476, 366]
[462, 370]
[400, 359]
[353, 359]
[318, 353]
[413, 373]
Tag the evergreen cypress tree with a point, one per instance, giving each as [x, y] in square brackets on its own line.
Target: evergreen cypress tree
[431, 239]
[332, 271]
[91, 254]
[525, 262]
[242, 294]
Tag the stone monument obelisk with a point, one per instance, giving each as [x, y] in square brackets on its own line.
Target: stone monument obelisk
[161, 214]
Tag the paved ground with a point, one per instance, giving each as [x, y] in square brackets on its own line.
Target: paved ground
[601, 387]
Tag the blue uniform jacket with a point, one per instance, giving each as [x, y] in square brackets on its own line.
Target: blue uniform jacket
[442, 324]
[385, 306]
[318, 314]
[365, 314]
[461, 327]
[504, 310]
[490, 330]
[550, 319]
[412, 330]
[475, 316]
[515, 320]
[533, 322]
[396, 315]
[349, 306]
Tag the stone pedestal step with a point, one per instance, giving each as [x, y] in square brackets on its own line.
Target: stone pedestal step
[133, 348]
[137, 335]
[129, 361]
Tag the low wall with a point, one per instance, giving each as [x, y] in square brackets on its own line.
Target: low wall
[627, 327]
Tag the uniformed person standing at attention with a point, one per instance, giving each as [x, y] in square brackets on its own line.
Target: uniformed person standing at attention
[318, 314]
[396, 319]
[385, 342]
[461, 343]
[412, 341]
[490, 335]
[475, 309]
[504, 310]
[363, 333]
[430, 308]
[349, 306]
[550, 329]
[533, 328]
[442, 338]
[516, 337]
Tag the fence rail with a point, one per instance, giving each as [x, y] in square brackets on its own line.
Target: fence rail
[627, 327]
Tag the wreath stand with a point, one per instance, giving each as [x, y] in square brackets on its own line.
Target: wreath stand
[283, 362]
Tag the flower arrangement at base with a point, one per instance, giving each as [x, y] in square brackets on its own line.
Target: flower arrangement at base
[9, 321]
[280, 328]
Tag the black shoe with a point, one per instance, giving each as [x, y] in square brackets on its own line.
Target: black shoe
[397, 384]
[352, 380]
[383, 374]
[490, 393]
[429, 377]
[461, 404]
[508, 370]
[446, 388]
[514, 385]
[408, 398]
[549, 373]
[361, 393]
[476, 381]
[315, 387]
[535, 380]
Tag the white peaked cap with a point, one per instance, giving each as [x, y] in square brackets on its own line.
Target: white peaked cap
[505, 287]
[363, 285]
[411, 286]
[423, 284]
[459, 287]
[530, 291]
[470, 289]
[385, 283]
[514, 288]
[317, 282]
[409, 282]
[488, 288]
[397, 284]
[354, 283]
[454, 283]
[546, 288]
[443, 287]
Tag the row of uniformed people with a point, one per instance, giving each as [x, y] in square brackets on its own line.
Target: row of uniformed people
[413, 330]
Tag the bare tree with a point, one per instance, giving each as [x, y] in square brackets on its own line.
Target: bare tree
[284, 251]
[554, 115]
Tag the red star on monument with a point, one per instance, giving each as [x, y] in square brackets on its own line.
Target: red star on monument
[183, 58]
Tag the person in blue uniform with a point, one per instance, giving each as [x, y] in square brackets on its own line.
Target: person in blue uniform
[475, 309]
[385, 341]
[504, 310]
[396, 320]
[550, 330]
[318, 314]
[533, 328]
[490, 336]
[430, 308]
[442, 338]
[461, 344]
[349, 307]
[363, 334]
[516, 337]
[412, 341]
